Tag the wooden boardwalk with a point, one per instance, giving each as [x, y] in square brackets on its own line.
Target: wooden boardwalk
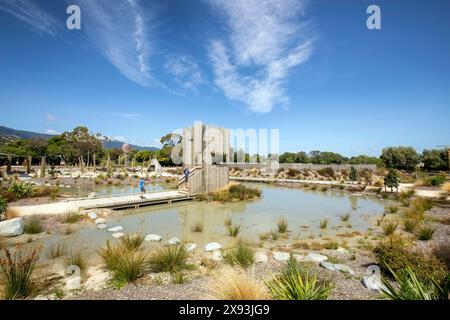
[109, 202]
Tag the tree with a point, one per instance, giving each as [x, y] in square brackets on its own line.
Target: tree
[363, 159]
[288, 157]
[353, 176]
[326, 157]
[392, 179]
[400, 158]
[435, 159]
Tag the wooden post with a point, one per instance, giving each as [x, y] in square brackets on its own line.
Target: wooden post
[8, 164]
[43, 164]
[29, 164]
[87, 164]
[94, 159]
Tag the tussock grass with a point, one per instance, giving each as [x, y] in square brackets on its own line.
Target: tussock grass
[324, 223]
[232, 284]
[242, 255]
[132, 241]
[17, 273]
[275, 235]
[392, 209]
[426, 233]
[72, 217]
[345, 217]
[264, 236]
[296, 283]
[282, 225]
[409, 225]
[33, 225]
[389, 227]
[168, 259]
[228, 222]
[446, 187]
[234, 230]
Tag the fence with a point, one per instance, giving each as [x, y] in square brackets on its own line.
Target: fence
[301, 166]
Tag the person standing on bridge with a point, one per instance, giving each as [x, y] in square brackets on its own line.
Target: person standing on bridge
[186, 175]
[142, 187]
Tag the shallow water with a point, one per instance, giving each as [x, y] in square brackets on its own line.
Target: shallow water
[300, 207]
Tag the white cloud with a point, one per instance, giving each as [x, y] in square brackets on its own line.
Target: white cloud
[51, 131]
[185, 71]
[119, 138]
[30, 13]
[118, 29]
[267, 40]
[50, 117]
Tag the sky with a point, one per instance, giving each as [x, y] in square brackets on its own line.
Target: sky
[137, 70]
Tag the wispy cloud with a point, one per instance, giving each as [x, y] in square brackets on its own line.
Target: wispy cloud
[266, 41]
[49, 117]
[52, 131]
[118, 29]
[185, 71]
[127, 116]
[35, 17]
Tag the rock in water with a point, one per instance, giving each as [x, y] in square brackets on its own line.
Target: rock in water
[261, 257]
[115, 229]
[100, 221]
[118, 235]
[153, 237]
[173, 241]
[281, 256]
[190, 247]
[11, 227]
[213, 246]
[92, 215]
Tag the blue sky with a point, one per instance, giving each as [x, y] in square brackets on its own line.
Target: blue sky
[139, 69]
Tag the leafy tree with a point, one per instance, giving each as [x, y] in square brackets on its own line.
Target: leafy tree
[435, 159]
[400, 157]
[363, 159]
[392, 179]
[326, 157]
[353, 176]
[288, 157]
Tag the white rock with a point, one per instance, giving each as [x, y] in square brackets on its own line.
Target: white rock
[11, 227]
[213, 246]
[100, 221]
[315, 257]
[337, 267]
[281, 256]
[115, 229]
[190, 247]
[173, 241]
[217, 255]
[92, 215]
[153, 237]
[118, 235]
[101, 226]
[261, 257]
[341, 250]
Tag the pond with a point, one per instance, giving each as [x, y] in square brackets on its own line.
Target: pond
[303, 210]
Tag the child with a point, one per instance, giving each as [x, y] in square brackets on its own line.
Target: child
[142, 187]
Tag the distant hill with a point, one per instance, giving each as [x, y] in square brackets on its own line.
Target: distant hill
[8, 134]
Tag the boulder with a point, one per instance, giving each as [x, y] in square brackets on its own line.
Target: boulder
[173, 241]
[115, 229]
[281, 256]
[92, 215]
[11, 227]
[153, 237]
[190, 247]
[213, 246]
[100, 221]
[337, 267]
[118, 235]
[261, 257]
[315, 257]
[101, 226]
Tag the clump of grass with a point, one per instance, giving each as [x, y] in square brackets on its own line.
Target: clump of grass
[389, 227]
[54, 192]
[56, 250]
[407, 194]
[234, 230]
[409, 225]
[17, 273]
[392, 209]
[331, 245]
[72, 217]
[345, 217]
[228, 222]
[132, 241]
[426, 233]
[76, 258]
[324, 223]
[197, 227]
[169, 259]
[178, 278]
[275, 235]
[264, 236]
[442, 252]
[282, 225]
[33, 225]
[242, 255]
[421, 204]
[295, 283]
[127, 265]
[236, 192]
[231, 284]
[446, 187]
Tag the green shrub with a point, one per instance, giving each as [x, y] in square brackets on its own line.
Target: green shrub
[434, 180]
[72, 217]
[169, 259]
[282, 225]
[392, 209]
[241, 192]
[17, 273]
[33, 225]
[242, 255]
[291, 172]
[327, 172]
[393, 256]
[294, 283]
[22, 189]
